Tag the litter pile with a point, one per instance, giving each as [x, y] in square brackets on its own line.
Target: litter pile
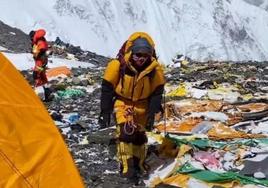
[213, 133]
[215, 128]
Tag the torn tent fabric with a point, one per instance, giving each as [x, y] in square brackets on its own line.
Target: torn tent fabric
[58, 71]
[182, 180]
[221, 132]
[181, 91]
[214, 177]
[185, 126]
[203, 143]
[179, 180]
[187, 106]
[32, 151]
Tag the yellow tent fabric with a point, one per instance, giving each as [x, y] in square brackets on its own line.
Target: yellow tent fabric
[32, 151]
[181, 91]
[181, 180]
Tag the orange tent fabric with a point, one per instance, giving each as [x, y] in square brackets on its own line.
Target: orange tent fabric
[184, 126]
[58, 71]
[32, 151]
[186, 106]
[222, 132]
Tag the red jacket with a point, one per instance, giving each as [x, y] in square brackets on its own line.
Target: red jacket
[40, 46]
[39, 43]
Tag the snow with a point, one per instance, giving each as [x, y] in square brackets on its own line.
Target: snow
[25, 61]
[69, 63]
[2, 48]
[222, 30]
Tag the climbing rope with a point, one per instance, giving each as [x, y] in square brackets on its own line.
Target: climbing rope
[165, 114]
[129, 125]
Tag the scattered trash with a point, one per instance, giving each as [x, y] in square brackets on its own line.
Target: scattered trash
[211, 116]
[58, 71]
[218, 138]
[73, 118]
[251, 167]
[259, 175]
[181, 91]
[207, 159]
[202, 127]
[69, 93]
[84, 141]
[40, 92]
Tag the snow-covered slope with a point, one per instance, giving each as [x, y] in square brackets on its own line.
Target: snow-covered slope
[24, 61]
[200, 29]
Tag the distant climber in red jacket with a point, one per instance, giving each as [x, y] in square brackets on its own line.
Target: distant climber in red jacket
[40, 55]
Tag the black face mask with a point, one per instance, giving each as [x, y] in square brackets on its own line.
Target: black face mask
[140, 61]
[140, 58]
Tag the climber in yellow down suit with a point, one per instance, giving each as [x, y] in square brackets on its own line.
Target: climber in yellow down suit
[132, 87]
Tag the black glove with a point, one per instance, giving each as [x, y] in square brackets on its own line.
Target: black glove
[154, 106]
[104, 120]
[150, 123]
[107, 94]
[155, 101]
[136, 138]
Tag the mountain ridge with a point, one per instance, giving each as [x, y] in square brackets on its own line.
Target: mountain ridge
[202, 30]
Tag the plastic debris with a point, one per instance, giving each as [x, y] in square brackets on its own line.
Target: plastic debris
[69, 93]
[202, 127]
[207, 159]
[181, 91]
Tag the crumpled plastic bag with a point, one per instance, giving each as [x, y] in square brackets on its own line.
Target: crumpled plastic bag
[69, 93]
[207, 159]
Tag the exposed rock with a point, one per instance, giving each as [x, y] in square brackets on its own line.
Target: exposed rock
[14, 39]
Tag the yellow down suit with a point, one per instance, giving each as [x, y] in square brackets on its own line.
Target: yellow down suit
[134, 95]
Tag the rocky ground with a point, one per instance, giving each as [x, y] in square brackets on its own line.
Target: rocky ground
[93, 150]
[14, 39]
